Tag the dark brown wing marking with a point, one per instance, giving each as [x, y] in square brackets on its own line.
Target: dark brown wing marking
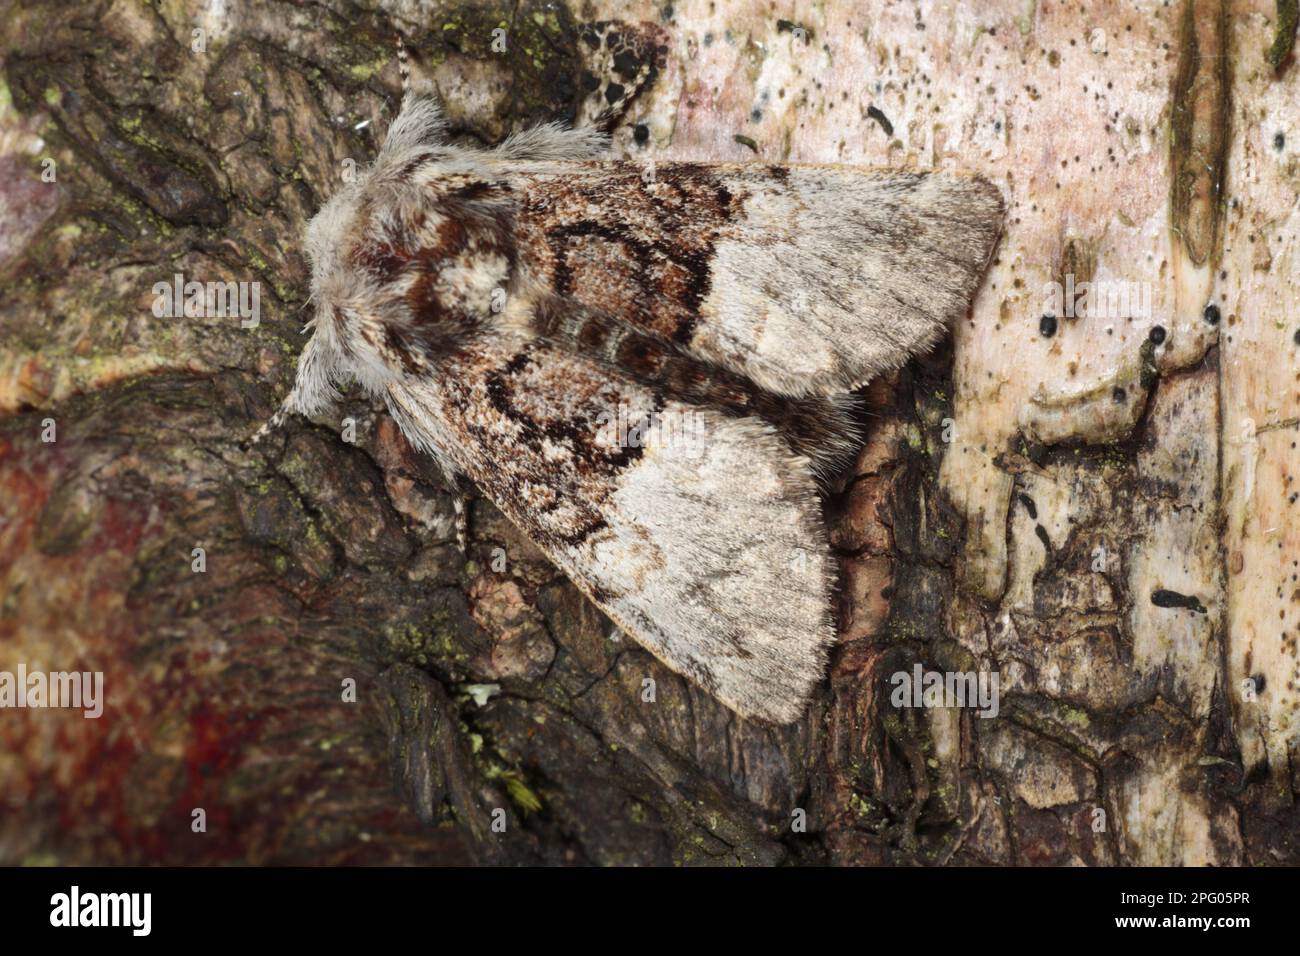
[533, 443]
[466, 222]
[817, 427]
[649, 261]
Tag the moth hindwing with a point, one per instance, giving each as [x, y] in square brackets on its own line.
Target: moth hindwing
[645, 370]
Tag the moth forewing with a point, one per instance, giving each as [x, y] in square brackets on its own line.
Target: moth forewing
[803, 278]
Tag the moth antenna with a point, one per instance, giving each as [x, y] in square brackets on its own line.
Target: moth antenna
[403, 66]
[419, 118]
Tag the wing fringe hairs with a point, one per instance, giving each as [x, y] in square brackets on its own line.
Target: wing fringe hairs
[508, 304]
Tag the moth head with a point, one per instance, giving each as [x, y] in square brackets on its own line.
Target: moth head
[411, 140]
[348, 322]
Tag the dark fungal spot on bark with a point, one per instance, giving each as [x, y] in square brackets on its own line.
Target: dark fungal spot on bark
[789, 26]
[625, 65]
[1042, 536]
[641, 133]
[1028, 502]
[1279, 141]
[1148, 373]
[1172, 599]
[874, 113]
[1157, 334]
[1212, 314]
[1259, 682]
[614, 93]
[1119, 395]
[1047, 326]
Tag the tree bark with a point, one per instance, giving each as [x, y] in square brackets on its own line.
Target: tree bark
[1100, 510]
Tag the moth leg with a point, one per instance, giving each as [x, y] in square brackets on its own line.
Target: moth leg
[460, 504]
[313, 389]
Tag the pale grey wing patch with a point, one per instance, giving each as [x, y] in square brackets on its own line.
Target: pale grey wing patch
[719, 565]
[705, 542]
[833, 275]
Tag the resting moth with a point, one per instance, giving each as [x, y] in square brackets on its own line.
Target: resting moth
[508, 303]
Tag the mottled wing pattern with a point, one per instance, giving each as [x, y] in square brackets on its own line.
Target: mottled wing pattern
[804, 279]
[656, 530]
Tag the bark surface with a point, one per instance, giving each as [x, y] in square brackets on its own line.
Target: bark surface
[1101, 509]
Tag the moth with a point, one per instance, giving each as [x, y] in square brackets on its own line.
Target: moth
[507, 304]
